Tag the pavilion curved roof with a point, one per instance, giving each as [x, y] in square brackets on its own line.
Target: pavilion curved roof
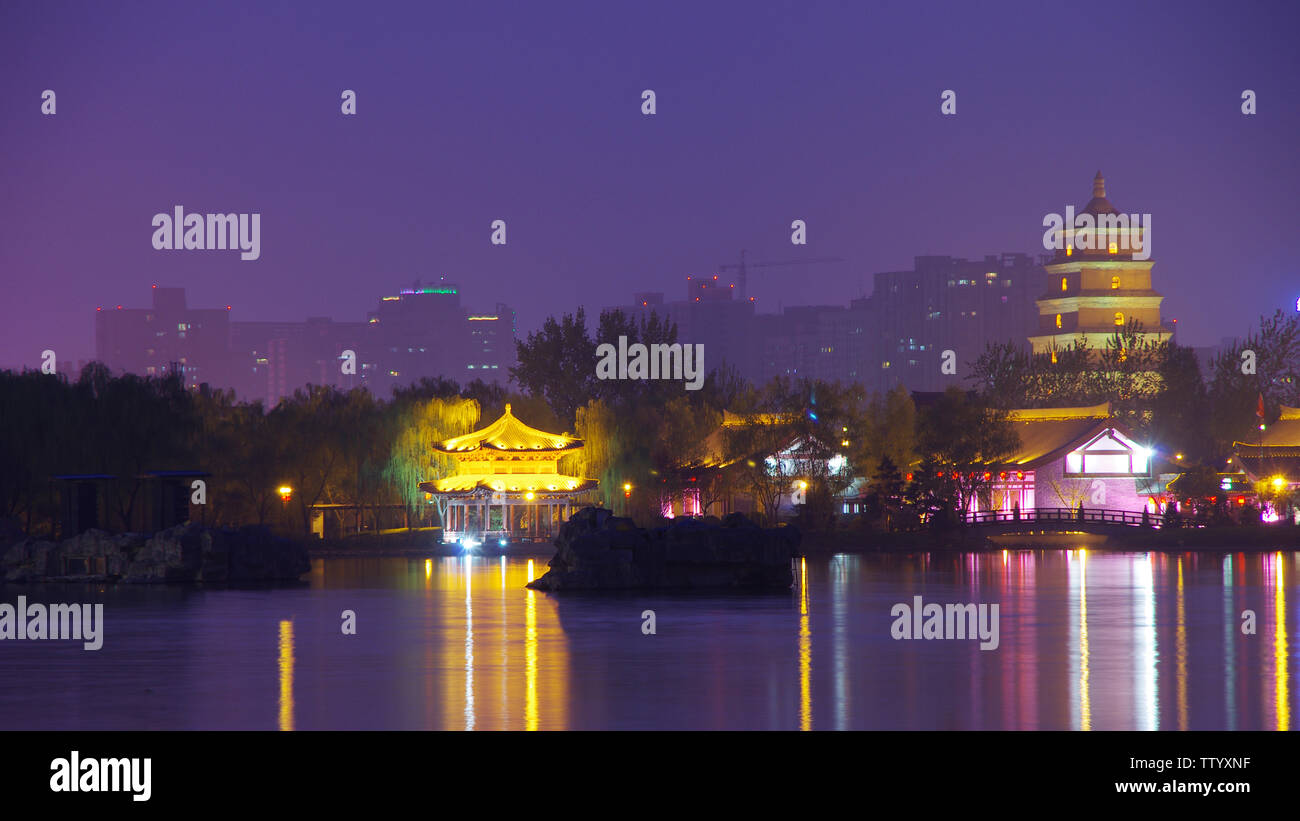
[509, 483]
[509, 435]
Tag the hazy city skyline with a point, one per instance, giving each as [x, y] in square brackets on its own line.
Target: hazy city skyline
[763, 117]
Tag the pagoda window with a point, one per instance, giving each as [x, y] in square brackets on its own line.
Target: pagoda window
[1058, 320]
[1114, 283]
[1119, 318]
[1065, 285]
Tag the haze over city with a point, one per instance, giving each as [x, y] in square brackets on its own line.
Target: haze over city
[532, 115]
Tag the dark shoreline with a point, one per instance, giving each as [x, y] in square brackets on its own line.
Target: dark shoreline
[1235, 539]
[1262, 539]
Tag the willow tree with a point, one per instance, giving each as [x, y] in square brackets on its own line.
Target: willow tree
[602, 454]
[421, 424]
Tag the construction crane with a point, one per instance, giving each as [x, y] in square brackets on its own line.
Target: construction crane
[742, 268]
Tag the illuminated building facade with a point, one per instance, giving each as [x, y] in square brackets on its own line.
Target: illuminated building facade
[1099, 287]
[1070, 457]
[507, 483]
[1270, 466]
[720, 484]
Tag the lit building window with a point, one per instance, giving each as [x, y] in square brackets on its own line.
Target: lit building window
[1114, 283]
[1114, 249]
[1065, 285]
[1069, 252]
[1058, 320]
[1119, 318]
[1053, 357]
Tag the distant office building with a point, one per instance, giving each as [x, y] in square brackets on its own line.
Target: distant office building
[491, 345]
[813, 342]
[895, 336]
[710, 316]
[168, 335]
[275, 359]
[423, 331]
[947, 304]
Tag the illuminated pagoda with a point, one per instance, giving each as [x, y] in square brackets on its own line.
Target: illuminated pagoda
[1092, 292]
[507, 483]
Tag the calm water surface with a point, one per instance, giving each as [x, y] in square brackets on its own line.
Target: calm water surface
[1088, 640]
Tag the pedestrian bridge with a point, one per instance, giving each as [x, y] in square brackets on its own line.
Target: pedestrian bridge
[1061, 519]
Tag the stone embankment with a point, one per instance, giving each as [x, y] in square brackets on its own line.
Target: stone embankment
[185, 553]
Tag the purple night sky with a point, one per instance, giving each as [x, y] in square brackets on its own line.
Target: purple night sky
[530, 113]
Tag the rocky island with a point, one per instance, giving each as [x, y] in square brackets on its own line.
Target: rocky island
[596, 550]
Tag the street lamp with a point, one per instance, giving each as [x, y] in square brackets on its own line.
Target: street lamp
[285, 493]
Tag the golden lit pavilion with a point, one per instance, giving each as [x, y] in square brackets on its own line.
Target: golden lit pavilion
[507, 482]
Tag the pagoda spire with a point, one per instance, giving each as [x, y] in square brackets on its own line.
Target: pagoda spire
[1098, 186]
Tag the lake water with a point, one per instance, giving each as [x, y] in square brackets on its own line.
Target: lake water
[1087, 640]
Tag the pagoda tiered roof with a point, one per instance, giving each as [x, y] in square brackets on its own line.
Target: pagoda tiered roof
[490, 462]
[508, 435]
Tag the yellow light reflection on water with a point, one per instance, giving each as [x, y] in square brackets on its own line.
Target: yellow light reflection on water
[286, 675]
[1282, 696]
[1085, 698]
[530, 656]
[805, 651]
[469, 647]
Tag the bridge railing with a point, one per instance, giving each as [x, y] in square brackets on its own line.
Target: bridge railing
[1065, 514]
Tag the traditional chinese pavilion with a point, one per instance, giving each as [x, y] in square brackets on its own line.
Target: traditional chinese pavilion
[507, 483]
